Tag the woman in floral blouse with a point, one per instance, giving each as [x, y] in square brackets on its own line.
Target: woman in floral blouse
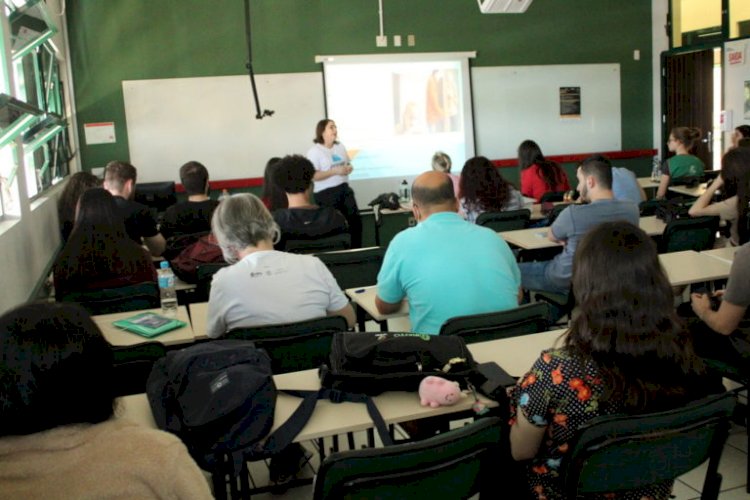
[625, 352]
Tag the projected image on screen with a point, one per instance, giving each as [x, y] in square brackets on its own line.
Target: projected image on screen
[392, 116]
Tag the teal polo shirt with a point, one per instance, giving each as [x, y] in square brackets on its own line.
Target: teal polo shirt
[448, 267]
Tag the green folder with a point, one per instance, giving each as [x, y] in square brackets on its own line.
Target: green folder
[149, 324]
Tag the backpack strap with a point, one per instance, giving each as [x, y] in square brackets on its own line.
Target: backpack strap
[285, 434]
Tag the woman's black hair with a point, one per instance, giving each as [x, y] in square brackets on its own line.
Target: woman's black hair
[530, 154]
[481, 187]
[273, 195]
[735, 171]
[66, 205]
[628, 326]
[55, 369]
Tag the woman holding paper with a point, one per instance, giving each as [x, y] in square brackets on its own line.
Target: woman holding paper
[332, 169]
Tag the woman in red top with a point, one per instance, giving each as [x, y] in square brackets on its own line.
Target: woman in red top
[538, 175]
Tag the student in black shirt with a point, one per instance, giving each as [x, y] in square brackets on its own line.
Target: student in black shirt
[119, 180]
[193, 216]
[302, 220]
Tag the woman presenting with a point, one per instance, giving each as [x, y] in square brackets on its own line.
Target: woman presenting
[332, 169]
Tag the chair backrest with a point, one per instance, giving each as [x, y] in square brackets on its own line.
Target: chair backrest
[204, 275]
[294, 346]
[689, 233]
[552, 196]
[648, 207]
[625, 452]
[132, 366]
[556, 211]
[455, 464]
[505, 221]
[354, 268]
[523, 320]
[341, 241]
[111, 300]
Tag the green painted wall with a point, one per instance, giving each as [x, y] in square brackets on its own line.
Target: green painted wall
[117, 40]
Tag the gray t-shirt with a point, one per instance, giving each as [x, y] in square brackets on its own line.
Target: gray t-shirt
[574, 222]
[738, 293]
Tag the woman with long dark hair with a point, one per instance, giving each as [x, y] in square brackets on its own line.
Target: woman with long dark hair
[625, 352]
[482, 188]
[99, 254]
[332, 169]
[734, 183]
[539, 175]
[59, 437]
[66, 204]
[273, 196]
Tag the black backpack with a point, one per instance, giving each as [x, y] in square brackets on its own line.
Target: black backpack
[219, 397]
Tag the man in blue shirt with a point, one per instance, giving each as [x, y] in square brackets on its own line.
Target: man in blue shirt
[595, 186]
[445, 266]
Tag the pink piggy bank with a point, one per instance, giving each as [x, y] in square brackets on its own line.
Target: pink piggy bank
[436, 391]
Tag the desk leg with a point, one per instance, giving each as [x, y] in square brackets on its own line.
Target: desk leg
[361, 317]
[383, 325]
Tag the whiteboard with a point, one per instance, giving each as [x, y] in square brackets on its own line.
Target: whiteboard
[212, 120]
[515, 103]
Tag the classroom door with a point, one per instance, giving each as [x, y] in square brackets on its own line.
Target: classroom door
[688, 97]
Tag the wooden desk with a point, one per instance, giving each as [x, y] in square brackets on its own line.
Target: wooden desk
[199, 319]
[181, 286]
[119, 337]
[725, 254]
[536, 238]
[693, 191]
[516, 355]
[364, 297]
[648, 183]
[687, 267]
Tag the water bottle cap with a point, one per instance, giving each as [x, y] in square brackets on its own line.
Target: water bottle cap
[164, 264]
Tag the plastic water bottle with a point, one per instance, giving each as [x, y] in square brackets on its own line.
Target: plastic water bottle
[656, 170]
[404, 193]
[167, 290]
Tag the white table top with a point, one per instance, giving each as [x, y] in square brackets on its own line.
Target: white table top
[646, 183]
[725, 253]
[693, 191]
[536, 238]
[516, 355]
[687, 267]
[199, 319]
[364, 297]
[119, 337]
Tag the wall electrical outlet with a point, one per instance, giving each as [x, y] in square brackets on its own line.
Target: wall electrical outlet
[381, 41]
[397, 40]
[411, 40]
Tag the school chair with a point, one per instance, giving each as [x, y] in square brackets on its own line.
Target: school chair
[689, 233]
[616, 453]
[132, 366]
[205, 274]
[505, 221]
[341, 241]
[111, 300]
[523, 320]
[455, 464]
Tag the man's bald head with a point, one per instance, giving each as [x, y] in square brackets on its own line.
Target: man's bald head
[433, 192]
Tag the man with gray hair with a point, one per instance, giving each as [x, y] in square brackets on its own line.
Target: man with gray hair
[265, 286]
[445, 266]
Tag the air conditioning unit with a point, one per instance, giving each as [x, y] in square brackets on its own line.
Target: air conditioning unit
[503, 6]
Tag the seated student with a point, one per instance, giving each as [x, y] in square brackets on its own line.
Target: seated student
[191, 217]
[624, 182]
[119, 179]
[273, 196]
[734, 183]
[739, 133]
[595, 187]
[265, 286]
[682, 140]
[66, 205]
[98, 253]
[724, 333]
[445, 266]
[59, 437]
[302, 220]
[539, 175]
[441, 162]
[483, 189]
[626, 352]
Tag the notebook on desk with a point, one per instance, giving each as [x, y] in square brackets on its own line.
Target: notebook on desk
[149, 324]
